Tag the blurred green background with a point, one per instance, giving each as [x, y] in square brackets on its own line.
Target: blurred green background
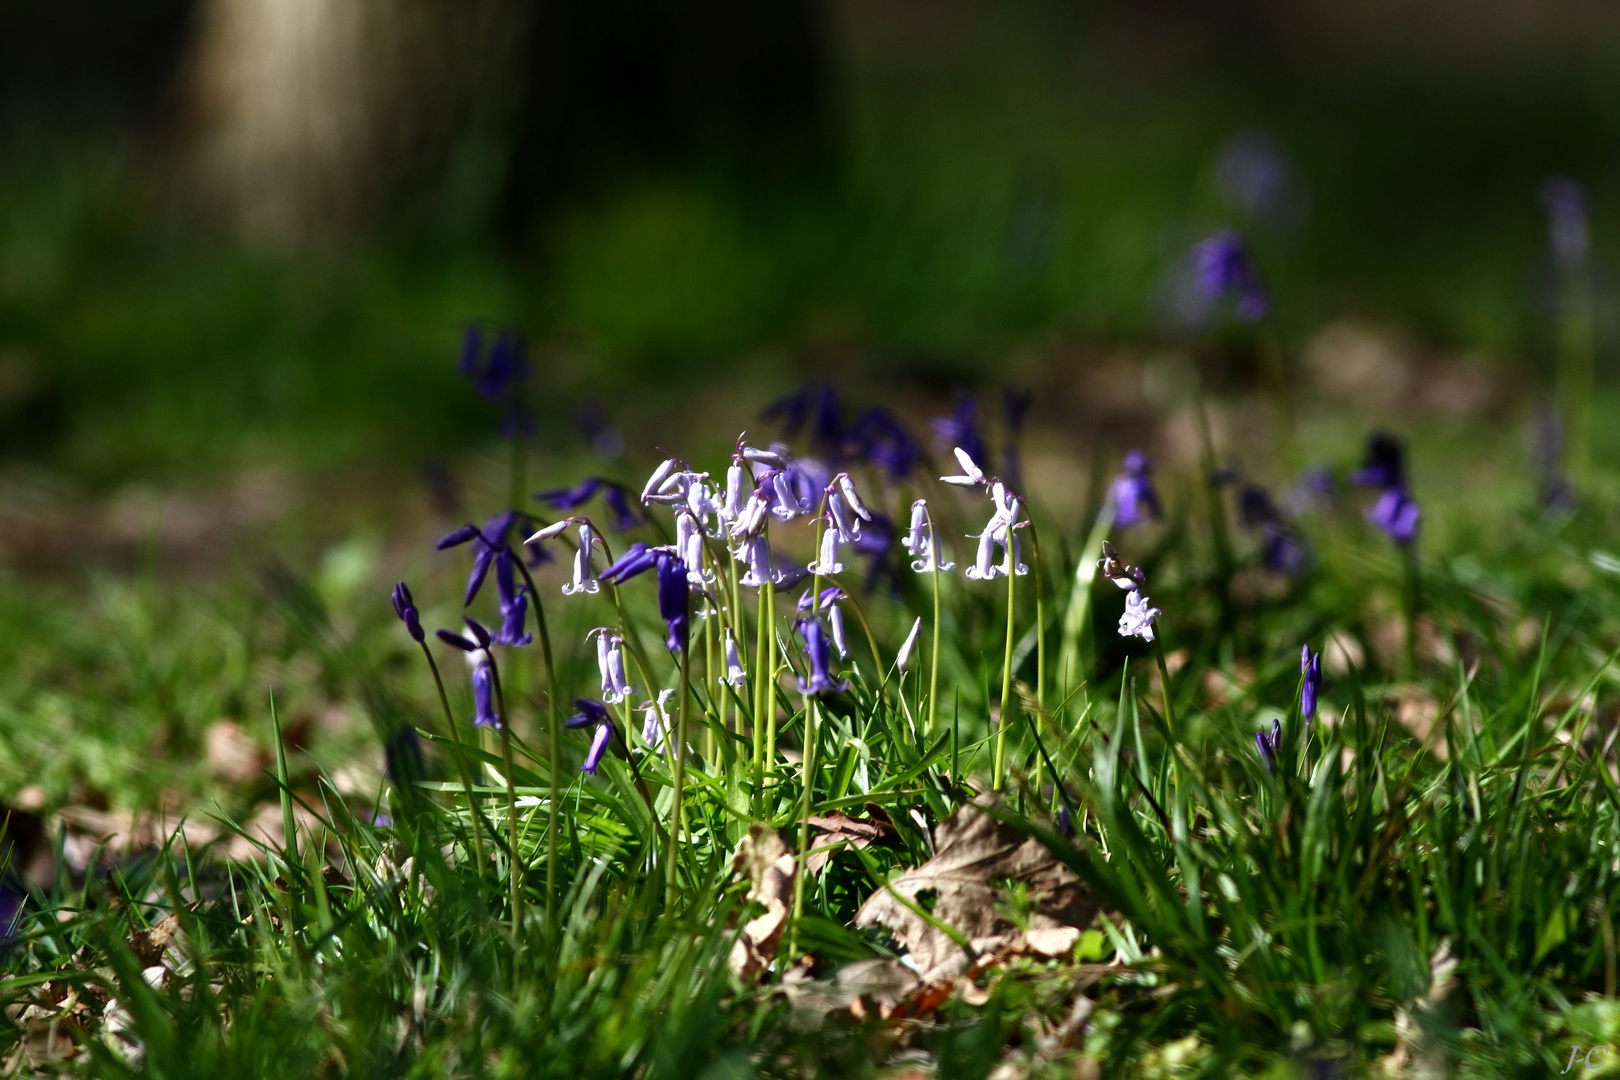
[886, 194]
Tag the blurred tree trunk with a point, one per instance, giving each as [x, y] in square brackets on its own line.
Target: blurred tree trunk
[305, 121]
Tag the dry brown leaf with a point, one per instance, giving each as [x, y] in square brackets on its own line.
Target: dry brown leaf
[974, 855]
[768, 864]
[838, 830]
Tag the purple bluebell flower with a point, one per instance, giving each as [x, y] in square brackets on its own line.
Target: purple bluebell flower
[586, 713]
[618, 504]
[571, 498]
[1138, 617]
[1132, 493]
[674, 598]
[476, 638]
[1310, 669]
[881, 439]
[1223, 269]
[514, 613]
[1281, 551]
[818, 651]
[1397, 513]
[961, 430]
[1269, 743]
[1384, 465]
[498, 374]
[815, 407]
[1568, 235]
[876, 545]
[484, 714]
[405, 608]
[1253, 174]
[1065, 820]
[637, 559]
[487, 542]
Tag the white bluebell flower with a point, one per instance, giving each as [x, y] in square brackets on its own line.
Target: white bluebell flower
[1137, 619]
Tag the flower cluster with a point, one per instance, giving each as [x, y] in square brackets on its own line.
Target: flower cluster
[1139, 615]
[999, 530]
[1395, 511]
[1222, 269]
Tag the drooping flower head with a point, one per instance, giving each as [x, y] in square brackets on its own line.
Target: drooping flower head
[658, 720]
[613, 495]
[487, 542]
[1138, 617]
[1117, 570]
[1310, 669]
[1395, 511]
[1132, 494]
[818, 652]
[1281, 550]
[920, 541]
[674, 587]
[1397, 514]
[592, 712]
[735, 675]
[1224, 269]
[1384, 465]
[1269, 742]
[815, 409]
[610, 664]
[405, 608]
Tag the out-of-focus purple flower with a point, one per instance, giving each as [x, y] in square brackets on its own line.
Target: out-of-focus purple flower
[878, 437]
[1568, 235]
[818, 651]
[1065, 820]
[1269, 742]
[961, 430]
[1015, 405]
[1556, 492]
[618, 504]
[594, 428]
[1384, 465]
[816, 406]
[876, 546]
[1310, 668]
[1313, 491]
[613, 495]
[405, 608]
[1397, 513]
[1281, 551]
[499, 373]
[1132, 494]
[1138, 617]
[484, 714]
[1224, 269]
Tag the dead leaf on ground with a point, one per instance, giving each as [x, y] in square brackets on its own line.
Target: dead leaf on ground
[838, 830]
[768, 864]
[974, 856]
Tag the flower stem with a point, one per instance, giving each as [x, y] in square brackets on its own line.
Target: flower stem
[999, 768]
[1409, 609]
[762, 664]
[511, 802]
[807, 778]
[461, 759]
[672, 867]
[933, 663]
[553, 743]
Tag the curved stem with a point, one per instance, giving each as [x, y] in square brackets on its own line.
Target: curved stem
[999, 769]
[933, 664]
[461, 757]
[672, 867]
[511, 800]
[553, 744]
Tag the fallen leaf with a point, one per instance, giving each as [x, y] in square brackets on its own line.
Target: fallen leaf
[838, 830]
[768, 864]
[974, 855]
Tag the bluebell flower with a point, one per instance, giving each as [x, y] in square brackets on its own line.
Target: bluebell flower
[610, 663]
[637, 559]
[405, 608]
[1269, 743]
[877, 437]
[658, 720]
[815, 407]
[1397, 513]
[1281, 551]
[1568, 235]
[1310, 667]
[735, 675]
[1224, 269]
[613, 495]
[1384, 465]
[1556, 492]
[1117, 570]
[920, 541]
[484, 714]
[961, 430]
[674, 598]
[499, 373]
[592, 712]
[487, 543]
[1138, 617]
[818, 651]
[1132, 493]
[476, 638]
[902, 661]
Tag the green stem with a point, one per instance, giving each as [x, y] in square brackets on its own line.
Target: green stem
[1409, 606]
[553, 743]
[807, 778]
[511, 802]
[1079, 610]
[769, 686]
[761, 665]
[999, 768]
[461, 758]
[933, 663]
[672, 867]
